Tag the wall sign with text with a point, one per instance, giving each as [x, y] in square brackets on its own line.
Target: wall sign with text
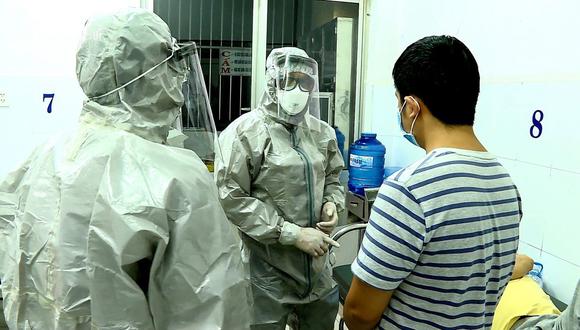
[236, 61]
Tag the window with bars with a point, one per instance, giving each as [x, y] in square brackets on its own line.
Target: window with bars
[222, 29]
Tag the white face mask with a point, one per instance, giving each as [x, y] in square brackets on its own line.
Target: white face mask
[293, 102]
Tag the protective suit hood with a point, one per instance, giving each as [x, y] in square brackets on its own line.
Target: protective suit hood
[116, 49]
[280, 62]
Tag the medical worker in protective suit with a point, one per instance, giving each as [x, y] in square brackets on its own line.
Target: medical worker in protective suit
[112, 229]
[278, 182]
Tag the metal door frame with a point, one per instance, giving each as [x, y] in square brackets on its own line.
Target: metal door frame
[146, 4]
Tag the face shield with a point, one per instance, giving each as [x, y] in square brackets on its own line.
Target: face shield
[296, 88]
[194, 129]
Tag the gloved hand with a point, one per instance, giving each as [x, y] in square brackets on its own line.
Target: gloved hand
[328, 218]
[309, 240]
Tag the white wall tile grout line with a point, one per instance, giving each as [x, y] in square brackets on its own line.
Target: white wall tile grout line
[539, 165]
[550, 254]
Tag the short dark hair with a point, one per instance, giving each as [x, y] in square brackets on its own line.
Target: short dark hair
[443, 73]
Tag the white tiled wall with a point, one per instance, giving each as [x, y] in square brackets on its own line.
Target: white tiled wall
[39, 41]
[527, 61]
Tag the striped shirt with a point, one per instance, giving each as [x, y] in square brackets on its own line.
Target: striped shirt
[443, 234]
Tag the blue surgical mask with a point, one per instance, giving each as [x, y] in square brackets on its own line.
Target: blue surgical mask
[408, 136]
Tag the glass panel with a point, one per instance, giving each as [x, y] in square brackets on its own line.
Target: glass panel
[222, 30]
[328, 31]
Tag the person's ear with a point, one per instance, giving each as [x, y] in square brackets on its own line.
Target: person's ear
[413, 106]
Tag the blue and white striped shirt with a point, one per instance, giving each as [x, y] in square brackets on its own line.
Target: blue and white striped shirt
[443, 235]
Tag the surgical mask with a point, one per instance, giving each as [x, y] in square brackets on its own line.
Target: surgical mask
[294, 101]
[408, 136]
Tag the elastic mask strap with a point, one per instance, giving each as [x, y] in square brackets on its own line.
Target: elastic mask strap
[417, 116]
[134, 79]
[401, 116]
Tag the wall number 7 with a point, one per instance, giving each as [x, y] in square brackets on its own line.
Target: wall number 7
[51, 97]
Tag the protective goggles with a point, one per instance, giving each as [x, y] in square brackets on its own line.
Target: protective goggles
[293, 79]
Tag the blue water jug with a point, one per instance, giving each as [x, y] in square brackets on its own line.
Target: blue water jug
[536, 273]
[366, 163]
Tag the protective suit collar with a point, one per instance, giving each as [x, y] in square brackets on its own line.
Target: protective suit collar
[309, 122]
[271, 110]
[93, 113]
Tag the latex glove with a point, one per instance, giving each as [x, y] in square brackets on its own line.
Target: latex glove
[309, 240]
[328, 218]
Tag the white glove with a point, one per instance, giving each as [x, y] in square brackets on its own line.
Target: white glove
[328, 218]
[309, 240]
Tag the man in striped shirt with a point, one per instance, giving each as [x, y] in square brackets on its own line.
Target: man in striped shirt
[441, 242]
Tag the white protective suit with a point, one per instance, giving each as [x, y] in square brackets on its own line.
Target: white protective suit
[109, 228]
[277, 171]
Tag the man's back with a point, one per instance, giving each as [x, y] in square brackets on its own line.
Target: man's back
[121, 233]
[443, 234]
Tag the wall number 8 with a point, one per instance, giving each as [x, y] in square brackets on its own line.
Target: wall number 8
[536, 129]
